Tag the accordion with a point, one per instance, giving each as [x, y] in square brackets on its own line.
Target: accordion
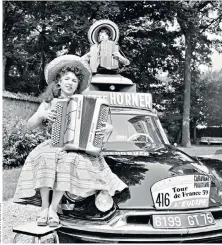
[107, 48]
[77, 120]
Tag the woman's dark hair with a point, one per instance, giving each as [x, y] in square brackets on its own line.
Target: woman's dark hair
[53, 89]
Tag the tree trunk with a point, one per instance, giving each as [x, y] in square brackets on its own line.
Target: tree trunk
[178, 137]
[195, 133]
[4, 65]
[42, 77]
[42, 41]
[7, 66]
[187, 91]
[4, 57]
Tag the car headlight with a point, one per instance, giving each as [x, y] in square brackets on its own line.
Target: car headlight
[104, 201]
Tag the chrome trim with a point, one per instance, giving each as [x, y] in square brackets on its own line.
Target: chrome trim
[118, 224]
[97, 238]
[137, 111]
[152, 210]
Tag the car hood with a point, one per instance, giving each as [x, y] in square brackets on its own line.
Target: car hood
[141, 172]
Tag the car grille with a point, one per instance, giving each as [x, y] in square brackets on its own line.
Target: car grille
[138, 219]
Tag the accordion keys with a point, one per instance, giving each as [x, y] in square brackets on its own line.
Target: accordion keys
[76, 123]
[60, 107]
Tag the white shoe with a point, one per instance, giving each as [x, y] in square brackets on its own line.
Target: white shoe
[53, 218]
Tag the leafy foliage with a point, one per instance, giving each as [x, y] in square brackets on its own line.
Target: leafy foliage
[46, 28]
[17, 140]
[18, 143]
[212, 98]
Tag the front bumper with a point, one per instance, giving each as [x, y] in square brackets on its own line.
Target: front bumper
[119, 229]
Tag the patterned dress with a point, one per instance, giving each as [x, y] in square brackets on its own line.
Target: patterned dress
[80, 174]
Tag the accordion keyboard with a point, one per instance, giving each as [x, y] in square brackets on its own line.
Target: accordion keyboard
[57, 125]
[103, 117]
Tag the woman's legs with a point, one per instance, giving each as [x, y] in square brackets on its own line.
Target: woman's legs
[56, 197]
[43, 214]
[53, 219]
[44, 191]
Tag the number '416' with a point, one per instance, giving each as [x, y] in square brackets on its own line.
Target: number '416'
[163, 199]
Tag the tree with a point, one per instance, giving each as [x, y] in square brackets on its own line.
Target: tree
[194, 20]
[13, 16]
[211, 98]
[50, 27]
[36, 32]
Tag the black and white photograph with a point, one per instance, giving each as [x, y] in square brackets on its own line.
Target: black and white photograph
[111, 122]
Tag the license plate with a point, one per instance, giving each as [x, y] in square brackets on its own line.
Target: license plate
[183, 220]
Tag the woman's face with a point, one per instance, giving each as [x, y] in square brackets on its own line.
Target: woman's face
[68, 83]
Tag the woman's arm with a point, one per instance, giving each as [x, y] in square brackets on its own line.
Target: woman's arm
[41, 114]
[121, 59]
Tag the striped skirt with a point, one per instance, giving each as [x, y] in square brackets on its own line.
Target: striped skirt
[77, 173]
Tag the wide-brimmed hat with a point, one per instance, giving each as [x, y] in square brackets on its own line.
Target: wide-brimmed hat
[69, 60]
[103, 24]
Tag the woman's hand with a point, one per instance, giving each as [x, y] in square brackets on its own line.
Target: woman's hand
[121, 59]
[105, 130]
[49, 115]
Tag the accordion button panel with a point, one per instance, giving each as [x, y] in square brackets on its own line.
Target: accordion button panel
[103, 117]
[55, 137]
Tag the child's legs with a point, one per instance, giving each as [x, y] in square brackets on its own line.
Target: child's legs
[56, 197]
[44, 191]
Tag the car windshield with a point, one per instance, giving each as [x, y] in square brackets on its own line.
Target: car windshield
[135, 128]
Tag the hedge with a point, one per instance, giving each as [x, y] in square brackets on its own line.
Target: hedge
[18, 141]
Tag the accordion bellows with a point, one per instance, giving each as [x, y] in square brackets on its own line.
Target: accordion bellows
[77, 120]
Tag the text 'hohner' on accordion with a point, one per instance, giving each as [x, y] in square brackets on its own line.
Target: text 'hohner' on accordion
[77, 120]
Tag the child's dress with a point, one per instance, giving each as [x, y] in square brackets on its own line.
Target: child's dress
[80, 174]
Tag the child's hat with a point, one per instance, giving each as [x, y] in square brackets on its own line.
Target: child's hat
[103, 24]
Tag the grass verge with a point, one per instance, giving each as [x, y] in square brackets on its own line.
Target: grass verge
[10, 180]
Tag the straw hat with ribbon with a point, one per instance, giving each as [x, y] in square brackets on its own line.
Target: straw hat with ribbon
[56, 65]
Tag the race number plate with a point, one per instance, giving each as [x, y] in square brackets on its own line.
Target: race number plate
[182, 192]
[177, 221]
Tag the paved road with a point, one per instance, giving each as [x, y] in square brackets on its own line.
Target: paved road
[204, 151]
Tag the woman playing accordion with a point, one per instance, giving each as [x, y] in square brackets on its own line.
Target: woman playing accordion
[51, 168]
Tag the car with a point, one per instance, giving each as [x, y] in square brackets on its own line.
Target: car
[171, 196]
